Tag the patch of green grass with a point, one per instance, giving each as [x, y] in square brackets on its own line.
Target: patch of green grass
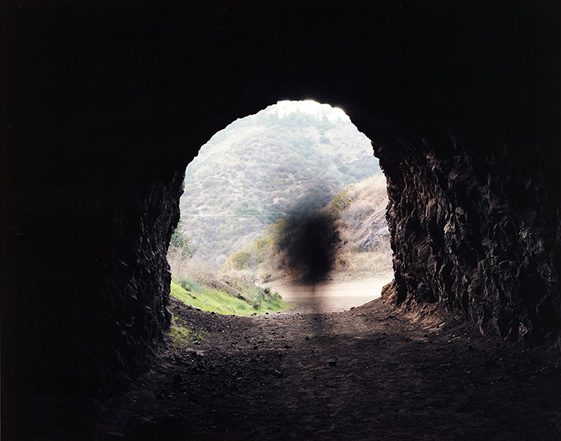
[213, 300]
[180, 333]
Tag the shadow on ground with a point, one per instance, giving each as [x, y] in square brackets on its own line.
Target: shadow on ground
[369, 375]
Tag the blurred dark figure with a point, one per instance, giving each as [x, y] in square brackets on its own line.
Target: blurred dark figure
[309, 242]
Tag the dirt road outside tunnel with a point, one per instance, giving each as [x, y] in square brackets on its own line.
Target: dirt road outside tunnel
[331, 296]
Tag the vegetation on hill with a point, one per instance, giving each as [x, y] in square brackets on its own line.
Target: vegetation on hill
[361, 214]
[364, 248]
[291, 158]
[229, 300]
[254, 171]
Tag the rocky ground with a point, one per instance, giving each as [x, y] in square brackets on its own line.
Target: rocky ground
[367, 374]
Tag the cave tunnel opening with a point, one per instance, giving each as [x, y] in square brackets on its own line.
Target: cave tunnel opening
[461, 102]
[452, 221]
[443, 221]
[289, 201]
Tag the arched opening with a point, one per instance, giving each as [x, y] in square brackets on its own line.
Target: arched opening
[248, 196]
[461, 102]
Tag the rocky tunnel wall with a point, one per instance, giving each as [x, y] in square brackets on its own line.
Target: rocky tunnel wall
[106, 105]
[476, 231]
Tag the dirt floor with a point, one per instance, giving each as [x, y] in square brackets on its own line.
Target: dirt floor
[365, 374]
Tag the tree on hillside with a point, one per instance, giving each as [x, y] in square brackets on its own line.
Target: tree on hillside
[180, 243]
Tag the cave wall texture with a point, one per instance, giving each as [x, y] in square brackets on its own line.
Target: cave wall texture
[105, 105]
[472, 233]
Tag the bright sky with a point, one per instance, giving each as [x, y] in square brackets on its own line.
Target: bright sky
[311, 107]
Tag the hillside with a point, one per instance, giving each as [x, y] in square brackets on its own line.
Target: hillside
[361, 210]
[363, 239]
[251, 173]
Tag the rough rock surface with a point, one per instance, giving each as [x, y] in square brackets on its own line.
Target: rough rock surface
[473, 232]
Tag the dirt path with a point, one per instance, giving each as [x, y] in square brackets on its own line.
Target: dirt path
[333, 296]
[365, 374]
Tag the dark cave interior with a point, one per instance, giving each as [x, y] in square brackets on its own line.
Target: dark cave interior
[104, 106]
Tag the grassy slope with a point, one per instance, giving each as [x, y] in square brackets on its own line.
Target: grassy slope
[212, 300]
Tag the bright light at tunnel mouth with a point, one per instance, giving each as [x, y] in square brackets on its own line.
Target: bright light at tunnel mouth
[289, 197]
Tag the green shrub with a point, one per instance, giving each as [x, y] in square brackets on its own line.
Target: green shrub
[340, 201]
[180, 241]
[241, 260]
[191, 286]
